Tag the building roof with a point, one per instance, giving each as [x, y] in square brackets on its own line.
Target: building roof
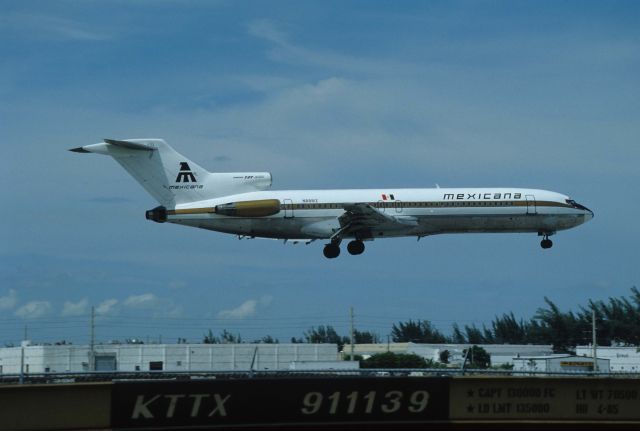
[543, 357]
[495, 349]
[556, 356]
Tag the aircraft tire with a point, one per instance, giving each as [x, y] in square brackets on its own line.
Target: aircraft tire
[331, 251]
[546, 243]
[355, 247]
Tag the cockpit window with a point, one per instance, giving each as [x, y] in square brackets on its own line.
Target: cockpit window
[576, 205]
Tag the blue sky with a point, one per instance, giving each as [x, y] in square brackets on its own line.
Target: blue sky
[323, 95]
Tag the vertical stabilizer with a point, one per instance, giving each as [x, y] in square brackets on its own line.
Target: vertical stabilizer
[171, 178]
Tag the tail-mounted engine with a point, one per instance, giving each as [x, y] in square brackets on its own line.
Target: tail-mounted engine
[158, 214]
[258, 208]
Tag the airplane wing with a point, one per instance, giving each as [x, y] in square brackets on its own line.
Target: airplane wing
[363, 214]
[362, 217]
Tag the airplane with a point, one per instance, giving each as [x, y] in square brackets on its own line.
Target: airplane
[242, 203]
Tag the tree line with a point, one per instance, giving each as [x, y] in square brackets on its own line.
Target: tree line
[617, 322]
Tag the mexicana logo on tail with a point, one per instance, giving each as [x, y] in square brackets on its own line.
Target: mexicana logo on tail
[185, 175]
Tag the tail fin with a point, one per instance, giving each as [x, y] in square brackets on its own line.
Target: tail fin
[170, 177]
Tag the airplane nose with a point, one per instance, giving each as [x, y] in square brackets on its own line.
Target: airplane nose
[588, 215]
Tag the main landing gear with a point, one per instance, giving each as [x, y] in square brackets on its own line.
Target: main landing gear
[546, 242]
[332, 250]
[355, 247]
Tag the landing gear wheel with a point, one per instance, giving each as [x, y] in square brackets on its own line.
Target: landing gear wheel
[331, 251]
[546, 243]
[355, 247]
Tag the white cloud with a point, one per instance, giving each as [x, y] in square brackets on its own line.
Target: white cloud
[266, 29]
[9, 300]
[160, 307]
[33, 309]
[106, 307]
[51, 27]
[146, 300]
[75, 308]
[283, 50]
[246, 309]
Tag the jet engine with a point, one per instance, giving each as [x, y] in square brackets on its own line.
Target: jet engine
[258, 208]
[158, 214]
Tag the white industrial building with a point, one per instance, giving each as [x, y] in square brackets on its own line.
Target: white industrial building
[625, 359]
[500, 353]
[167, 357]
[560, 363]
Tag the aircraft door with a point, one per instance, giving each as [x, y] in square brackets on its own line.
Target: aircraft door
[288, 208]
[398, 205]
[531, 205]
[382, 206]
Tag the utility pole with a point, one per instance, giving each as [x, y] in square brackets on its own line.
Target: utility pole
[472, 356]
[22, 346]
[22, 364]
[593, 340]
[352, 334]
[92, 362]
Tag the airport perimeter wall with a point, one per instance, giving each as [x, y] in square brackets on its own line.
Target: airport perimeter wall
[165, 357]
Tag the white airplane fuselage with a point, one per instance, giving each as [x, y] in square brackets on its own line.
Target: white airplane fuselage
[314, 214]
[243, 204]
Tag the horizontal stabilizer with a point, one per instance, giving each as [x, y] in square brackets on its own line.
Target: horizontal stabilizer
[130, 145]
[79, 150]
